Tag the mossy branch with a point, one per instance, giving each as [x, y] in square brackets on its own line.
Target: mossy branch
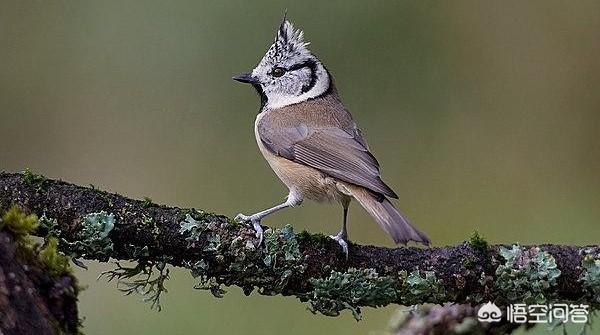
[94, 224]
[38, 293]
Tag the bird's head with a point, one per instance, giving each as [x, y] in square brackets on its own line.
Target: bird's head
[288, 73]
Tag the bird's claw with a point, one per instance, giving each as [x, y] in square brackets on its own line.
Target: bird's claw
[259, 231]
[255, 224]
[341, 240]
[242, 218]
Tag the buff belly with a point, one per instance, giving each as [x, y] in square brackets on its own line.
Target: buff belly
[309, 182]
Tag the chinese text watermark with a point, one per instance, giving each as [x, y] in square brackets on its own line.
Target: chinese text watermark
[535, 313]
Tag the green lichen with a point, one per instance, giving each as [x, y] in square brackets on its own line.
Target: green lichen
[50, 225]
[139, 252]
[318, 240]
[193, 228]
[92, 241]
[290, 246]
[280, 244]
[98, 225]
[350, 290]
[51, 229]
[417, 288]
[148, 220]
[33, 180]
[146, 278]
[212, 285]
[590, 277]
[198, 215]
[199, 268]
[194, 225]
[189, 225]
[19, 223]
[146, 202]
[55, 262]
[271, 246]
[242, 250]
[478, 243]
[149, 224]
[527, 275]
[233, 224]
[282, 256]
[248, 266]
[214, 243]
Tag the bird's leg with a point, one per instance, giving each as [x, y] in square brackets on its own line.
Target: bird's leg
[342, 237]
[292, 200]
[257, 217]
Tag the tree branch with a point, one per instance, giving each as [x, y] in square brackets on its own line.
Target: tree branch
[38, 294]
[94, 224]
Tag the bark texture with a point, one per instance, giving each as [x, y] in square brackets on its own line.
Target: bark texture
[220, 252]
[31, 300]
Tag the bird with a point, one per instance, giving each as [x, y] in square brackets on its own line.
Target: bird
[312, 143]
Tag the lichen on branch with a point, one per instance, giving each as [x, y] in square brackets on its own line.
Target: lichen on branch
[38, 292]
[92, 224]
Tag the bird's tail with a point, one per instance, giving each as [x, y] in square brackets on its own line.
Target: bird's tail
[388, 217]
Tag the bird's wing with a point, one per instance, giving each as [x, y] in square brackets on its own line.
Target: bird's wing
[339, 153]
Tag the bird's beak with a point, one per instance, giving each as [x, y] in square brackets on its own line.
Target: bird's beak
[247, 78]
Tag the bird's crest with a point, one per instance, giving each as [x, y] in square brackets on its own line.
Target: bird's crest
[290, 39]
[289, 42]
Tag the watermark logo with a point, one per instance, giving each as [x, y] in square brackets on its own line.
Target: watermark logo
[489, 313]
[537, 313]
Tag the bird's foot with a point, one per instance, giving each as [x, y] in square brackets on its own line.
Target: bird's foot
[341, 239]
[255, 224]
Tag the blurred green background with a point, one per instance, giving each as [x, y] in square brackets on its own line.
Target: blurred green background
[483, 114]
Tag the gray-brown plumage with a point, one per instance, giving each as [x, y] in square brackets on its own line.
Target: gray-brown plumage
[311, 141]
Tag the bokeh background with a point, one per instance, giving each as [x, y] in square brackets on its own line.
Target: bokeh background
[484, 115]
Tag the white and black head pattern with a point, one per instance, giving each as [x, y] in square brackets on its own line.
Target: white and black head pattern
[288, 73]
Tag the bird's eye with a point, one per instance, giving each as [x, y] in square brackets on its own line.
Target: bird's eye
[278, 72]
